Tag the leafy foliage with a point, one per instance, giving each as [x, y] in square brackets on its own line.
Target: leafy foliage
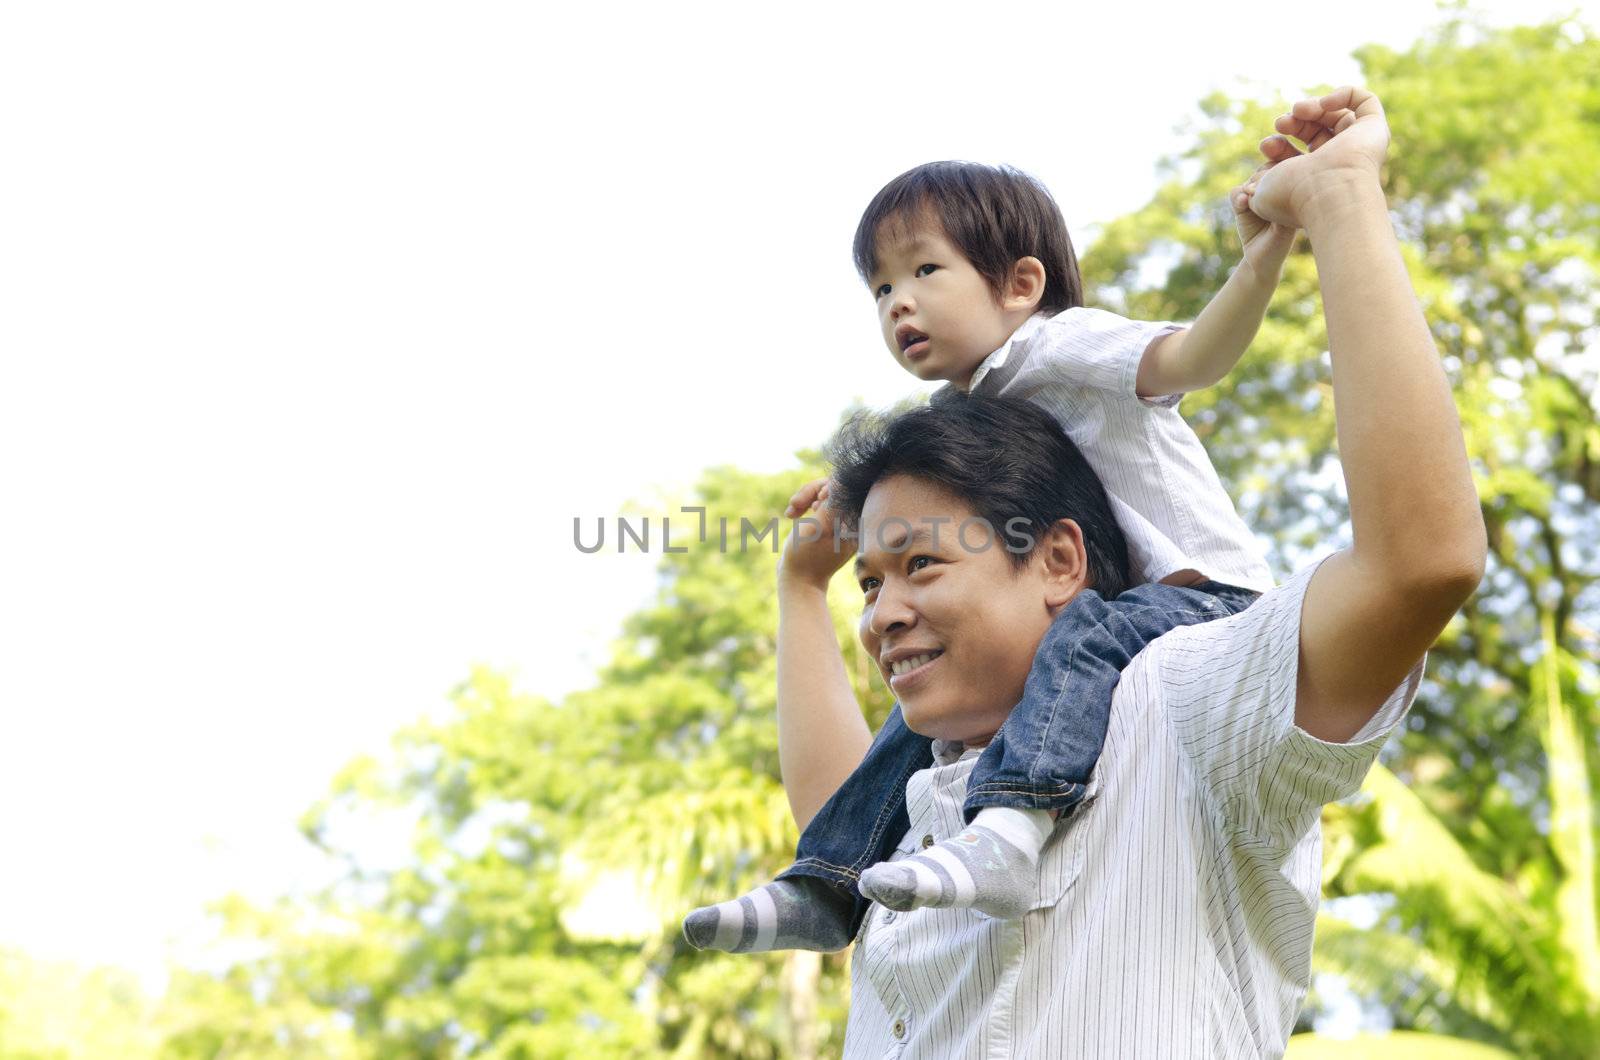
[1479, 845]
[555, 847]
[552, 846]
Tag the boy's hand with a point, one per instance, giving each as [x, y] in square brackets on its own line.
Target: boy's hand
[810, 555]
[1266, 245]
[1348, 137]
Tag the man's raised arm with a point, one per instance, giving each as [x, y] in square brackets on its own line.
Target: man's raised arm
[1372, 610]
[822, 736]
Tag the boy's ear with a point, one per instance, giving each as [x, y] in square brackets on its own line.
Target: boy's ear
[1025, 287]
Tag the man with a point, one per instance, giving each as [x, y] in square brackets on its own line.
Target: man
[1175, 907]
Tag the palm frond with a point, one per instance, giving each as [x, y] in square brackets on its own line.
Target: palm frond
[1395, 1045]
[1571, 823]
[1407, 977]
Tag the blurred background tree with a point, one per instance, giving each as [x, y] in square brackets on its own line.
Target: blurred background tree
[51, 1010]
[553, 846]
[1478, 849]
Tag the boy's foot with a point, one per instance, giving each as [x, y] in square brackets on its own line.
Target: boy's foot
[992, 867]
[799, 913]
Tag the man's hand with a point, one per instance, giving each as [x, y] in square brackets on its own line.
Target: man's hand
[810, 555]
[822, 736]
[1348, 137]
[1265, 245]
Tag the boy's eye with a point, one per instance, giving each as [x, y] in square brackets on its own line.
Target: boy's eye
[882, 291]
[868, 584]
[923, 270]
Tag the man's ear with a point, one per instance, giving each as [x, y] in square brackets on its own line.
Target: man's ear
[1066, 562]
[1025, 285]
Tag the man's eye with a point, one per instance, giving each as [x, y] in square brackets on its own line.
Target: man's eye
[882, 291]
[923, 270]
[920, 562]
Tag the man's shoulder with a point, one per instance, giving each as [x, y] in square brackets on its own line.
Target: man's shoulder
[1218, 645]
[1249, 656]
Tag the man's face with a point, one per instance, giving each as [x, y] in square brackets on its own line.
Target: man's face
[953, 626]
[939, 316]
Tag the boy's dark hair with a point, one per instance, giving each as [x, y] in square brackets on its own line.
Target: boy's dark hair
[1006, 458]
[995, 215]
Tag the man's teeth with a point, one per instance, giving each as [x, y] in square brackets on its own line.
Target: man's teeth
[906, 665]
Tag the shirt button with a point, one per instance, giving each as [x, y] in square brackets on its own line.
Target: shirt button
[927, 841]
[899, 1028]
[888, 916]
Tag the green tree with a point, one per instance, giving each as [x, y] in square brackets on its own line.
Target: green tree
[57, 1010]
[555, 848]
[1483, 858]
[554, 845]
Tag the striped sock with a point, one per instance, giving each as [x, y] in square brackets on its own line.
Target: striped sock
[799, 913]
[992, 867]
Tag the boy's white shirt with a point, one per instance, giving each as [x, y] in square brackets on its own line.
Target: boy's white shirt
[1082, 366]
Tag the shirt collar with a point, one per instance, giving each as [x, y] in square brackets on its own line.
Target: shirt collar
[948, 752]
[997, 359]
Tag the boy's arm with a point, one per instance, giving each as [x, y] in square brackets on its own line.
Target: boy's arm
[1202, 354]
[822, 736]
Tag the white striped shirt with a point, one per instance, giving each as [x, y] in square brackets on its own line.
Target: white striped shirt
[1081, 366]
[1175, 907]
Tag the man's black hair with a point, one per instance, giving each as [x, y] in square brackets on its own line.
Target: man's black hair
[995, 215]
[1006, 458]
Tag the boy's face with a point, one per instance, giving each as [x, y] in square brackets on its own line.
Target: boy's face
[939, 316]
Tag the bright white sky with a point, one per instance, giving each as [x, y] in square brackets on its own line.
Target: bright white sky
[319, 323]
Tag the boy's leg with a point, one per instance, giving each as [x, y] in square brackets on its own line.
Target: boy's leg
[1044, 754]
[814, 904]
[1039, 763]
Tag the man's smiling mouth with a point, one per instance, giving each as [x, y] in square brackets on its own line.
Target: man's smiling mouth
[905, 666]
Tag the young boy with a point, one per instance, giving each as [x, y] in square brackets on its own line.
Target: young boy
[977, 285]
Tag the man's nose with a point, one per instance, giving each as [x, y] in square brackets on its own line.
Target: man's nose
[891, 611]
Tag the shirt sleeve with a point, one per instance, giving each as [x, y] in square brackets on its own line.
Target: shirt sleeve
[1229, 688]
[1094, 348]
